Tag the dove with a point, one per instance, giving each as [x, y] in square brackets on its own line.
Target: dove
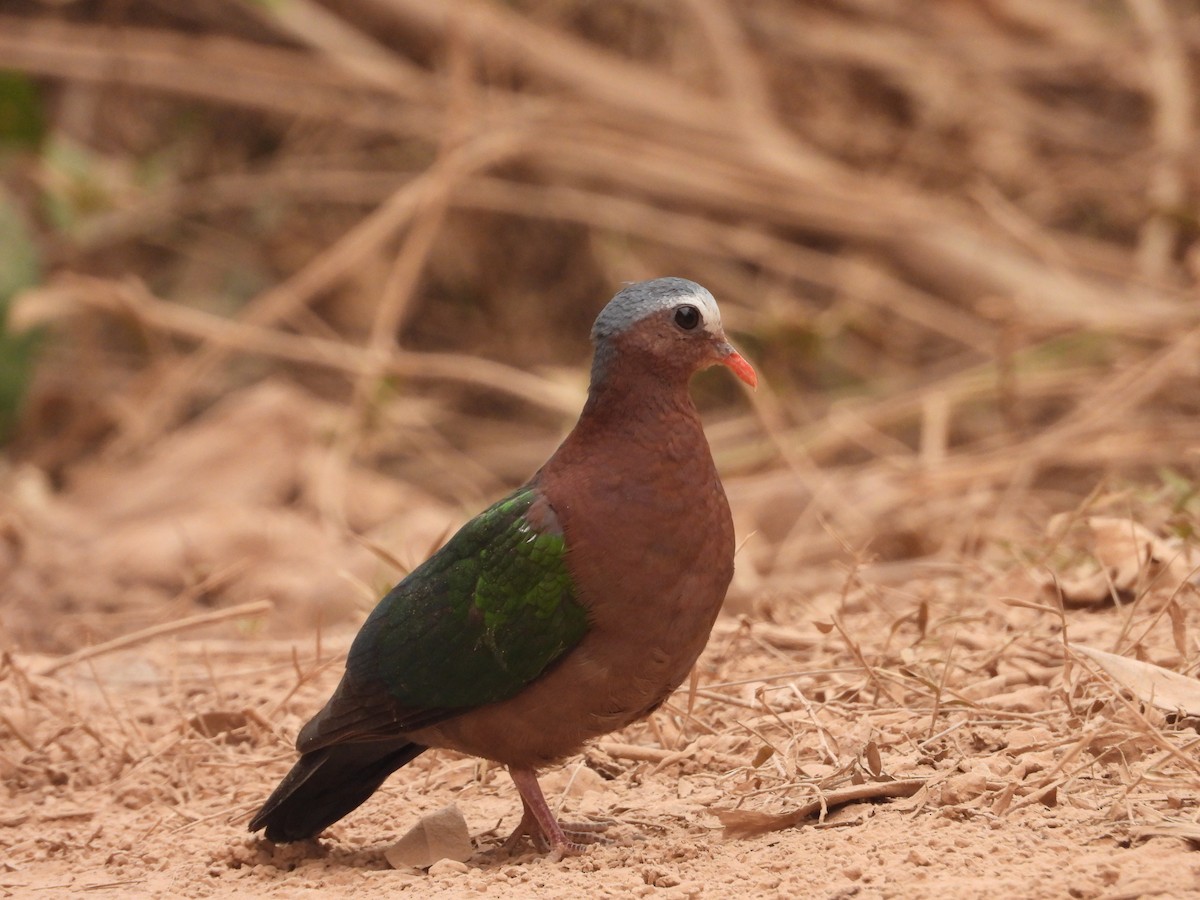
[567, 610]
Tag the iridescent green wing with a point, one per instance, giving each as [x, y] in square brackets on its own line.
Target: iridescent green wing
[479, 620]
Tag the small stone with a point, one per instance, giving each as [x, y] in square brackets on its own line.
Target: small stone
[448, 867]
[437, 837]
[918, 858]
[573, 781]
[964, 787]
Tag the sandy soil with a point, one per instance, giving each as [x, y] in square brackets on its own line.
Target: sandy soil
[135, 774]
[132, 770]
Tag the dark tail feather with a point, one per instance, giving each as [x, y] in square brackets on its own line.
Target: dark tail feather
[326, 784]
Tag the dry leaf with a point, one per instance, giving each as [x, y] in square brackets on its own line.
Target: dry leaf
[440, 835]
[1149, 683]
[218, 721]
[922, 619]
[1124, 548]
[1004, 799]
[744, 823]
[764, 753]
[873, 759]
[1130, 555]
[1086, 590]
[1188, 831]
[1178, 627]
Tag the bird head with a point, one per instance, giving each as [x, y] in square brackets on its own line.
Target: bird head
[671, 324]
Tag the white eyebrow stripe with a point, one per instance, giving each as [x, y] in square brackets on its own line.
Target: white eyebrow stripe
[707, 304]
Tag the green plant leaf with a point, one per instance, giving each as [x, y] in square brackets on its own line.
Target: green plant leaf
[22, 122]
[21, 270]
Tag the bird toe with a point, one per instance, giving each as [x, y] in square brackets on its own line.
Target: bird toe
[572, 839]
[590, 832]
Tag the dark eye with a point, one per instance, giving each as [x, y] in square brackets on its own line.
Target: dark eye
[687, 317]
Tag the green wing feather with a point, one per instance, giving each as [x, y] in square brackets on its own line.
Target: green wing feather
[475, 623]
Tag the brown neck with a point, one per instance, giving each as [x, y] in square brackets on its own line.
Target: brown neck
[623, 420]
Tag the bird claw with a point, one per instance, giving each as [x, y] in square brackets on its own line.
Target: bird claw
[590, 832]
[574, 837]
[579, 836]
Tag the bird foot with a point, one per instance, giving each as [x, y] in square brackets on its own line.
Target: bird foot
[537, 821]
[567, 839]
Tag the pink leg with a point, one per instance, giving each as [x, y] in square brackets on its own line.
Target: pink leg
[540, 824]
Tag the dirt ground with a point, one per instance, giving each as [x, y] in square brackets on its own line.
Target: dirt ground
[290, 290]
[150, 691]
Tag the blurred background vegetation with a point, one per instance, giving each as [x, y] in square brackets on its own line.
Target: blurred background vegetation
[958, 239]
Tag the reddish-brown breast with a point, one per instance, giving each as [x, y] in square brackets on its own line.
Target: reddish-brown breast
[649, 546]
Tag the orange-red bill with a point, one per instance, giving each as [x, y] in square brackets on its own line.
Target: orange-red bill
[742, 369]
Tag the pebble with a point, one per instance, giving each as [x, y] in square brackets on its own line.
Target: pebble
[448, 867]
